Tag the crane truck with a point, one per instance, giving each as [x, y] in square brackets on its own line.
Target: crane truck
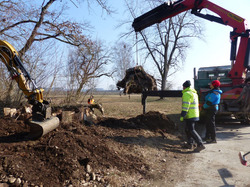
[42, 121]
[232, 77]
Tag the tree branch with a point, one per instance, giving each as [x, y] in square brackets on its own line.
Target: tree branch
[34, 31]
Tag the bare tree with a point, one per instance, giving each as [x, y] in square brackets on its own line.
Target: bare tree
[32, 25]
[122, 59]
[38, 23]
[87, 62]
[166, 43]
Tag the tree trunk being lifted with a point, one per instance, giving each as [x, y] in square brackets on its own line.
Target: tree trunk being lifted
[137, 80]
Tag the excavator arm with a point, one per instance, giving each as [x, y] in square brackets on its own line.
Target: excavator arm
[240, 61]
[42, 122]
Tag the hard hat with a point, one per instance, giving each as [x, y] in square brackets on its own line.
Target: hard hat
[216, 83]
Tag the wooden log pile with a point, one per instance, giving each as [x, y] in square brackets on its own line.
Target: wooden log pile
[23, 113]
[137, 80]
[66, 114]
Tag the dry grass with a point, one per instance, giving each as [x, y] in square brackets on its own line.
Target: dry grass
[125, 107]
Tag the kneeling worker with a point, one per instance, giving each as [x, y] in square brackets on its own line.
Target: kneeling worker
[91, 100]
[190, 112]
[93, 104]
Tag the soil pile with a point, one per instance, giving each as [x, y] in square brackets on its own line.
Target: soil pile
[112, 152]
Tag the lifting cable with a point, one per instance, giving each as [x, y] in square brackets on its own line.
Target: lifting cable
[137, 61]
[136, 52]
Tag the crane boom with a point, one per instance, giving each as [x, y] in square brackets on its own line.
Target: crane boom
[240, 61]
[168, 10]
[240, 54]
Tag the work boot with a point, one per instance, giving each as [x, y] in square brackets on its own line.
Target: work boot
[211, 141]
[208, 140]
[199, 148]
[187, 145]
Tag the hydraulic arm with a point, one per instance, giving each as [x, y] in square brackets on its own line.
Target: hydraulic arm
[168, 10]
[240, 61]
[9, 57]
[42, 122]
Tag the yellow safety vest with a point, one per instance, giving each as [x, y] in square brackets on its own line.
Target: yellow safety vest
[190, 103]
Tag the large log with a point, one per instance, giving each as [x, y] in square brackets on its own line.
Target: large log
[10, 111]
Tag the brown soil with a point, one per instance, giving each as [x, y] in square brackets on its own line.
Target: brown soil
[140, 151]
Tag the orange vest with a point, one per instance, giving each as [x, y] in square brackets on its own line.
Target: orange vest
[91, 101]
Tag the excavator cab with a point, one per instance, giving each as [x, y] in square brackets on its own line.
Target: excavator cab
[41, 122]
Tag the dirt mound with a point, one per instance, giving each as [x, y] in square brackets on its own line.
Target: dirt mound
[150, 121]
[78, 154]
[155, 121]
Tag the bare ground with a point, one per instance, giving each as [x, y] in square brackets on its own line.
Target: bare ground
[140, 151]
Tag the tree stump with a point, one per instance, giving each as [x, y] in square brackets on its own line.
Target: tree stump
[67, 117]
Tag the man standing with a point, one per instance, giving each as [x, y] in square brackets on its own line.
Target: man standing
[190, 112]
[211, 107]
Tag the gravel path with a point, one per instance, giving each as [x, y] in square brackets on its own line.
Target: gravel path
[219, 164]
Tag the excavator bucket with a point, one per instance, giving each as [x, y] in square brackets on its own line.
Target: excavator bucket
[40, 128]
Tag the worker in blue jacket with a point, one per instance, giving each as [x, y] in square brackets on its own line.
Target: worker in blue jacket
[211, 107]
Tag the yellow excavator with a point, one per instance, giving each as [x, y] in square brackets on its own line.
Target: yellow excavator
[41, 122]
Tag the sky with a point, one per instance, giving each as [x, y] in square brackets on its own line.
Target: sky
[214, 51]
